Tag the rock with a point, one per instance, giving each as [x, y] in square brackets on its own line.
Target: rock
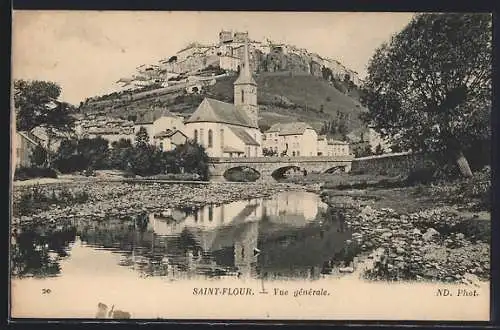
[386, 235]
[346, 269]
[429, 234]
[400, 250]
[471, 278]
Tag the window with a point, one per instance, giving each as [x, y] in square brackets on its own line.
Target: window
[242, 96]
[222, 138]
[201, 136]
[298, 153]
[196, 136]
[210, 138]
[210, 213]
[293, 153]
[161, 146]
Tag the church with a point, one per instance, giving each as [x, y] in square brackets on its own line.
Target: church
[229, 130]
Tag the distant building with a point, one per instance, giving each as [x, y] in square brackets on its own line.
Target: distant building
[24, 143]
[292, 139]
[322, 145]
[230, 63]
[111, 129]
[225, 36]
[229, 130]
[338, 148]
[158, 121]
[364, 138]
[168, 140]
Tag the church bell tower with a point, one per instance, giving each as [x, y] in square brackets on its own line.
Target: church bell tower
[245, 90]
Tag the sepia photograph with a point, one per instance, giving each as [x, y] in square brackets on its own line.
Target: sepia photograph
[204, 165]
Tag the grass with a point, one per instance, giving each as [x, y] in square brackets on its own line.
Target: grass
[307, 99]
[403, 195]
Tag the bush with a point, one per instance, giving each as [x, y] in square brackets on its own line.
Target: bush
[40, 198]
[423, 176]
[25, 173]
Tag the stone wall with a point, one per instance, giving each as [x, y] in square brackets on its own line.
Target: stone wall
[393, 164]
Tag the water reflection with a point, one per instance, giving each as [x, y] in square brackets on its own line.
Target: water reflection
[290, 234]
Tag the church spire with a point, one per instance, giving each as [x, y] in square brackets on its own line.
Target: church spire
[245, 72]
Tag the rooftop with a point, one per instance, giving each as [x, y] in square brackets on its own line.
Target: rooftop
[244, 136]
[211, 110]
[295, 128]
[151, 115]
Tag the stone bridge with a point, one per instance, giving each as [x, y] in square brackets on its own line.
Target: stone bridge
[271, 166]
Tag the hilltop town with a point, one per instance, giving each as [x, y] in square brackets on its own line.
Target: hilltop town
[295, 86]
[227, 54]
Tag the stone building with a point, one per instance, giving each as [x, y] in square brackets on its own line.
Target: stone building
[291, 139]
[169, 139]
[24, 144]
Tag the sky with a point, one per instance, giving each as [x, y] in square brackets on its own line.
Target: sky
[86, 52]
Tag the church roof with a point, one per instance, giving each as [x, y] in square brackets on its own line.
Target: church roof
[244, 136]
[211, 110]
[230, 149]
[295, 128]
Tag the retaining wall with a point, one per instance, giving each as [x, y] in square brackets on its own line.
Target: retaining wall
[393, 164]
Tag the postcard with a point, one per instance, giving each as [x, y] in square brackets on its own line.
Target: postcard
[250, 165]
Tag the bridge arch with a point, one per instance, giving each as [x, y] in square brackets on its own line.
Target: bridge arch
[336, 169]
[241, 173]
[279, 173]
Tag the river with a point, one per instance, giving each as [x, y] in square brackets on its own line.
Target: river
[150, 265]
[287, 235]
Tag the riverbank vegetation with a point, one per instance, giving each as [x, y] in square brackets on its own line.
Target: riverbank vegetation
[37, 107]
[433, 104]
[438, 230]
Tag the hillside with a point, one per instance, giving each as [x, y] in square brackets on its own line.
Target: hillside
[282, 97]
[293, 84]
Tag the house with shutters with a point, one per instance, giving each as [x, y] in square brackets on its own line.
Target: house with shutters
[292, 139]
[229, 129]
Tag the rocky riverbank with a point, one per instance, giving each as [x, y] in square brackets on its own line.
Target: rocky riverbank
[117, 199]
[437, 244]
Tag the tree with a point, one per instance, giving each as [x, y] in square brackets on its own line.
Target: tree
[430, 88]
[94, 152]
[37, 106]
[379, 150]
[119, 154]
[38, 156]
[142, 137]
[192, 158]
